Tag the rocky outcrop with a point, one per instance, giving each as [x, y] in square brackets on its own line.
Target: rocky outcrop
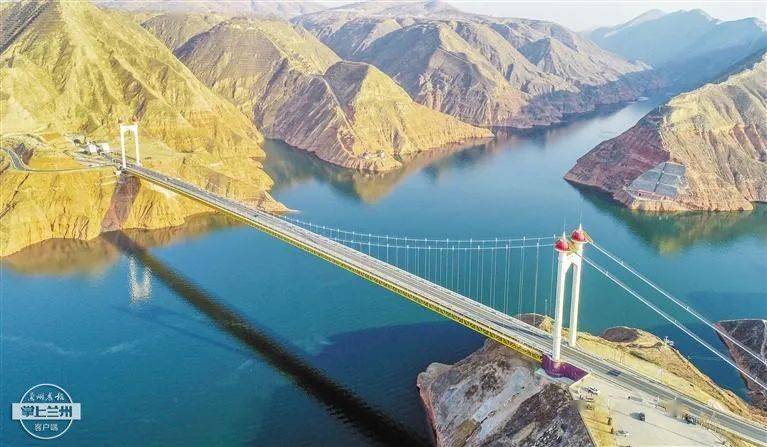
[495, 397]
[703, 150]
[752, 333]
[486, 71]
[297, 90]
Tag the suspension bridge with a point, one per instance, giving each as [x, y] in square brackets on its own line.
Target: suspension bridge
[474, 282]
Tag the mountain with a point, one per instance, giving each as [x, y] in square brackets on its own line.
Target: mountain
[689, 48]
[70, 67]
[297, 90]
[703, 150]
[600, 34]
[261, 8]
[175, 29]
[655, 40]
[70, 71]
[483, 70]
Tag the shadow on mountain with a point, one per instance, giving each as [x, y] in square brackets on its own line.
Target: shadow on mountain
[341, 402]
[675, 232]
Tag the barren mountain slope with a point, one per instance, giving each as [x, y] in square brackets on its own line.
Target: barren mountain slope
[480, 69]
[442, 71]
[69, 68]
[714, 138]
[297, 90]
[175, 29]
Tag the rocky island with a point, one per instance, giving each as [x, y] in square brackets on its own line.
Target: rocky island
[702, 150]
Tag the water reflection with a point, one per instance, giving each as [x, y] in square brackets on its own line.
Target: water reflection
[342, 402]
[291, 167]
[140, 284]
[673, 232]
[64, 257]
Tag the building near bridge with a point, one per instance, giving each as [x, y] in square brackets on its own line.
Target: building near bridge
[104, 147]
[91, 149]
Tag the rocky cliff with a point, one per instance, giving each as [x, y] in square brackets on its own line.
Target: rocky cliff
[703, 150]
[297, 90]
[751, 333]
[486, 71]
[69, 68]
[494, 397]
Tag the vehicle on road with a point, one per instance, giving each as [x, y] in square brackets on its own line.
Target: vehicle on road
[592, 390]
[622, 433]
[690, 419]
[641, 416]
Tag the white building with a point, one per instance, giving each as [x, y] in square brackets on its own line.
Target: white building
[91, 148]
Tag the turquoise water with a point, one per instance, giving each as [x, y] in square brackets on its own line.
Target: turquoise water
[243, 340]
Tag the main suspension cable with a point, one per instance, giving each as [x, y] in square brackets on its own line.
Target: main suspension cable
[679, 303]
[673, 321]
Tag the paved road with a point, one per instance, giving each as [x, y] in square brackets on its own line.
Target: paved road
[16, 161]
[19, 164]
[482, 315]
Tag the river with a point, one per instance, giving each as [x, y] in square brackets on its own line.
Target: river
[237, 339]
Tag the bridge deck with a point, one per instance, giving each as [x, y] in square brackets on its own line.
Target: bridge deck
[523, 338]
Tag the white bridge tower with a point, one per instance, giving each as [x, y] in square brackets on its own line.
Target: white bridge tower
[129, 128]
[570, 255]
